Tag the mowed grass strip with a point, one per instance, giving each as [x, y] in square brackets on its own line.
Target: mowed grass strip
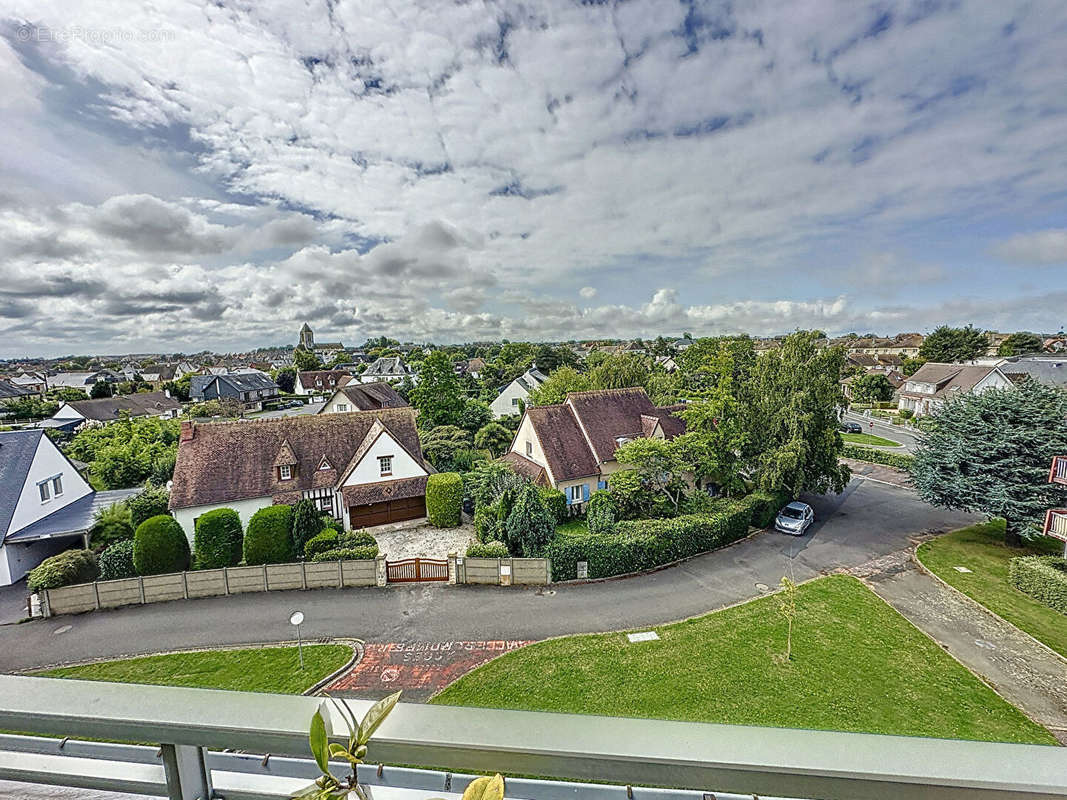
[857, 666]
[981, 549]
[261, 669]
[869, 439]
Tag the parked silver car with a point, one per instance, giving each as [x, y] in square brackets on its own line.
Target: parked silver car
[794, 518]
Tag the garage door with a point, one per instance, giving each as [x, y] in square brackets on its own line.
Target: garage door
[389, 511]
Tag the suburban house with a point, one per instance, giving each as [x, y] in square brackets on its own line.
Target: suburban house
[386, 368]
[516, 392]
[248, 388]
[1050, 370]
[45, 505]
[363, 397]
[81, 380]
[9, 391]
[325, 351]
[473, 367]
[934, 384]
[73, 413]
[905, 345]
[159, 374]
[667, 363]
[320, 381]
[364, 468]
[34, 382]
[571, 446]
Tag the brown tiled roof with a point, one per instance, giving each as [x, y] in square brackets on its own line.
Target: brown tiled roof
[369, 396]
[324, 378]
[672, 425]
[949, 379]
[227, 461]
[862, 359]
[525, 467]
[606, 414]
[108, 409]
[566, 451]
[380, 491]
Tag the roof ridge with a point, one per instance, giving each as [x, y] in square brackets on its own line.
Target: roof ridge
[605, 391]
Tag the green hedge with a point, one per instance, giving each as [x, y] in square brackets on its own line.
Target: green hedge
[556, 503]
[348, 554]
[329, 539]
[764, 506]
[444, 499]
[356, 539]
[488, 550]
[65, 569]
[160, 546]
[1044, 578]
[487, 523]
[646, 543]
[218, 539]
[898, 460]
[117, 561]
[600, 516]
[268, 539]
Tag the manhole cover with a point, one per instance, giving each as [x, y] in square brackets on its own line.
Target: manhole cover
[763, 587]
[985, 645]
[61, 629]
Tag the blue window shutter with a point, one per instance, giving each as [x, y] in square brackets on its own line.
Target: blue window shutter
[585, 492]
[567, 494]
[601, 484]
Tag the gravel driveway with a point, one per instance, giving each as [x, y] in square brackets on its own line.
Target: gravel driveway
[423, 540]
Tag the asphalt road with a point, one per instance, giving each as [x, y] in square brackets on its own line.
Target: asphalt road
[897, 433]
[868, 520]
[309, 408]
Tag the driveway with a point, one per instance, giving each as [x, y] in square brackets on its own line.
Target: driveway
[898, 433]
[867, 521]
[309, 408]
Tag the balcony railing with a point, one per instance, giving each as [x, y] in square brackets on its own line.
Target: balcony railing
[1058, 473]
[1056, 523]
[191, 725]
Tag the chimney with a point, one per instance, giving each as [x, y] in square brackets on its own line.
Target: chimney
[188, 431]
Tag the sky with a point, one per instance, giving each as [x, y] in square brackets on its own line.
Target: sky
[188, 175]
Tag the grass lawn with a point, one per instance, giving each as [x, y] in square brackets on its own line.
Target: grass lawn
[981, 549]
[869, 439]
[576, 527]
[857, 666]
[262, 669]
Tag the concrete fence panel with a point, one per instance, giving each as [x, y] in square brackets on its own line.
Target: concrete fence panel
[205, 583]
[285, 576]
[161, 588]
[530, 571]
[322, 574]
[359, 573]
[123, 592]
[72, 599]
[246, 579]
[484, 571]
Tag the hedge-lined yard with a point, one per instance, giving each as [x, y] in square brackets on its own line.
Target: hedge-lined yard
[887, 457]
[857, 666]
[981, 549]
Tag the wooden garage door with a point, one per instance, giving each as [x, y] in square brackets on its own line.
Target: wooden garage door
[389, 511]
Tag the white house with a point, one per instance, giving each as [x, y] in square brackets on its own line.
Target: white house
[387, 368]
[109, 409]
[320, 381]
[518, 391]
[45, 505]
[934, 384]
[364, 468]
[362, 397]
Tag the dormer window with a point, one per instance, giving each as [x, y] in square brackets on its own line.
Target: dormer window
[285, 472]
[385, 464]
[621, 440]
[325, 465]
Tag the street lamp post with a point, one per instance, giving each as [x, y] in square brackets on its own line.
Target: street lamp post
[295, 619]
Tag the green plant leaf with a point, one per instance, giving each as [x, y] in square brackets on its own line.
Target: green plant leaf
[485, 788]
[319, 742]
[375, 717]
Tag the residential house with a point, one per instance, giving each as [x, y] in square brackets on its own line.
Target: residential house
[82, 380]
[681, 345]
[386, 368]
[73, 413]
[1055, 344]
[158, 374]
[904, 345]
[667, 363]
[322, 381]
[571, 446]
[1051, 370]
[516, 392]
[934, 384]
[34, 382]
[363, 397]
[9, 391]
[250, 389]
[473, 367]
[45, 505]
[364, 468]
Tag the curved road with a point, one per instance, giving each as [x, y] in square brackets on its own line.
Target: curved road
[897, 433]
[867, 521]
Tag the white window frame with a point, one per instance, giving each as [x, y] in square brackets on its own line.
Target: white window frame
[57, 485]
[529, 448]
[575, 493]
[285, 472]
[385, 466]
[515, 401]
[44, 490]
[342, 406]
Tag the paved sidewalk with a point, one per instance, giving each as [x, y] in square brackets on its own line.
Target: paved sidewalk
[1025, 673]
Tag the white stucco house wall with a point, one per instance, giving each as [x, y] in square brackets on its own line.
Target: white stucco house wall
[516, 394]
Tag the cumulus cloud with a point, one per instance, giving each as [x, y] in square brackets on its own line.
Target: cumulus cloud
[587, 292]
[1040, 247]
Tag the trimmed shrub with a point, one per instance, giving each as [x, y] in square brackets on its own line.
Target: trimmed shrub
[65, 569]
[218, 539]
[117, 561]
[487, 523]
[111, 524]
[859, 453]
[1044, 578]
[601, 514]
[488, 550]
[444, 499]
[556, 503]
[150, 503]
[530, 526]
[348, 554]
[329, 539]
[332, 524]
[356, 539]
[160, 546]
[268, 539]
[307, 522]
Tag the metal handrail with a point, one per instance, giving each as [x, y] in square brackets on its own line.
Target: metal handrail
[765, 761]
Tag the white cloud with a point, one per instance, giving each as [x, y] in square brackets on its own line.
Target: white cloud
[1040, 247]
[587, 292]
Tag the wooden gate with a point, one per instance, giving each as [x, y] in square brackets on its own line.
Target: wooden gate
[411, 570]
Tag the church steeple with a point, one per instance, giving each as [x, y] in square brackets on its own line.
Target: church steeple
[307, 338]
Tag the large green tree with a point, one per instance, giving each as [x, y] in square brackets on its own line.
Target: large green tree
[1020, 343]
[128, 452]
[305, 360]
[990, 452]
[438, 395]
[662, 465]
[620, 372]
[793, 400]
[871, 387]
[286, 379]
[954, 345]
[559, 383]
